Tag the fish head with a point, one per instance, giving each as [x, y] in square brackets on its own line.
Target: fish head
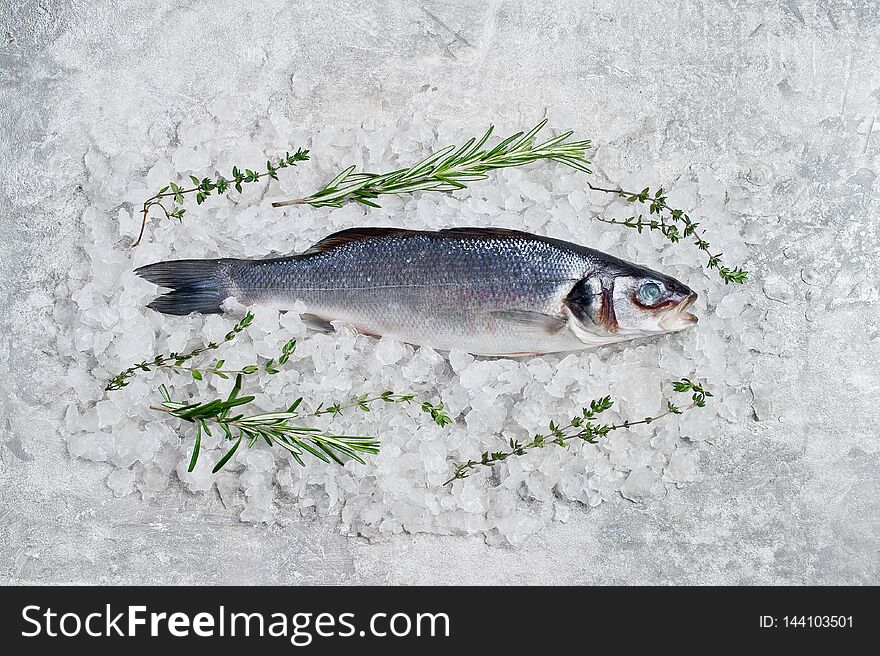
[625, 301]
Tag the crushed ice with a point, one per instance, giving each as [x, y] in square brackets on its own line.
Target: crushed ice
[491, 400]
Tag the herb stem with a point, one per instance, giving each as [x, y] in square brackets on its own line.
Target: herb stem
[437, 412]
[209, 370]
[620, 192]
[175, 360]
[287, 203]
[650, 420]
[275, 428]
[204, 187]
[448, 169]
[582, 427]
[657, 205]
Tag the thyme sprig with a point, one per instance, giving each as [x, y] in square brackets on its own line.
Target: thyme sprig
[204, 187]
[582, 427]
[283, 428]
[659, 214]
[363, 402]
[217, 368]
[176, 360]
[448, 169]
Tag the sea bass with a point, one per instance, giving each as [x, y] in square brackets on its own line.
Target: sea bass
[487, 291]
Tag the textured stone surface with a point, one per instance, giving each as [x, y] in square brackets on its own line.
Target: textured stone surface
[779, 99]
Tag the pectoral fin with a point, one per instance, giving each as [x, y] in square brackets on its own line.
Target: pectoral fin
[315, 322]
[547, 323]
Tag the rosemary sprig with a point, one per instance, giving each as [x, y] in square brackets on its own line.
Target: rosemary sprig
[206, 186]
[281, 428]
[581, 427]
[657, 206]
[448, 169]
[175, 360]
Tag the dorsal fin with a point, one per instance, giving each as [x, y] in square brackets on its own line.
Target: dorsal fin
[352, 234]
[487, 232]
[356, 234]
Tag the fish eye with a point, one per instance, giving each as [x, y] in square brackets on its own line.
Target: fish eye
[649, 293]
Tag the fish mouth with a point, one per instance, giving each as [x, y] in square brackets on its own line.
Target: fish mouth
[678, 318]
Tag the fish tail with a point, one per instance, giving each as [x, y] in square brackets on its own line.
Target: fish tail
[197, 285]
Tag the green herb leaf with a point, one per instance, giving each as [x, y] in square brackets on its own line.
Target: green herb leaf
[447, 169]
[582, 428]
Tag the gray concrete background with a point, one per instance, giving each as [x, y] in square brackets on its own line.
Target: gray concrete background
[781, 96]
